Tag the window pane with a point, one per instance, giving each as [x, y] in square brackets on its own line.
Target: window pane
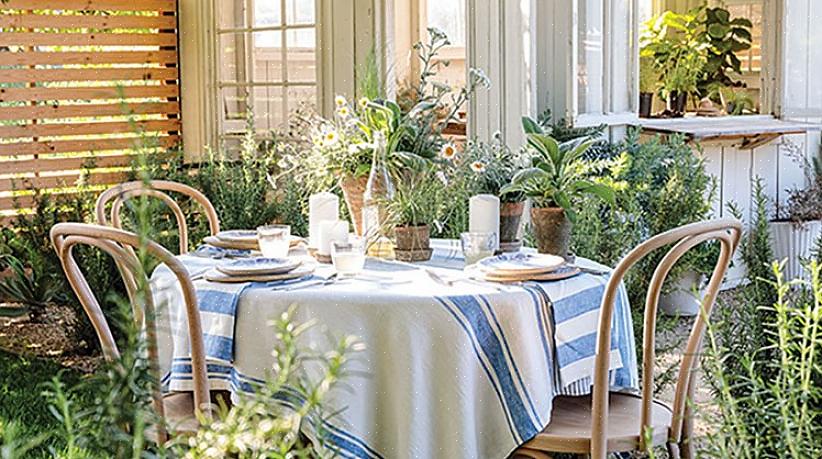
[299, 11]
[301, 95]
[590, 56]
[448, 16]
[302, 65]
[231, 13]
[234, 102]
[267, 13]
[268, 56]
[268, 108]
[232, 57]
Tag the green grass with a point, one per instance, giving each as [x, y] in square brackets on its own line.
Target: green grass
[22, 400]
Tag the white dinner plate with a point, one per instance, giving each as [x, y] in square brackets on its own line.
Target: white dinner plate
[216, 276]
[255, 266]
[239, 236]
[520, 264]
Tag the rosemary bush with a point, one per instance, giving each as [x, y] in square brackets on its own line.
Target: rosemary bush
[772, 408]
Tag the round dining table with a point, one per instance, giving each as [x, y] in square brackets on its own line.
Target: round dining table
[453, 367]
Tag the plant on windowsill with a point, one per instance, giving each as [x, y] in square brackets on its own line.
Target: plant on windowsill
[557, 180]
[736, 101]
[725, 38]
[675, 43]
[648, 85]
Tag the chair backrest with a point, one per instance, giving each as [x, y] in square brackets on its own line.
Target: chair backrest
[121, 246]
[727, 232]
[118, 194]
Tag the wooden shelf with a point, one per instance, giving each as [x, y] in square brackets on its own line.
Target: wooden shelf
[752, 131]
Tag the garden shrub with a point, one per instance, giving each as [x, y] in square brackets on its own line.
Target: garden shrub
[770, 403]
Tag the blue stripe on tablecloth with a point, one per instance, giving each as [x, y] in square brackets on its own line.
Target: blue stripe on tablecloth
[541, 303]
[577, 304]
[219, 301]
[492, 348]
[493, 382]
[580, 348]
[219, 347]
[348, 443]
[513, 364]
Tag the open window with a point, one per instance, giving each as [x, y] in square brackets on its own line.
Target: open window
[608, 76]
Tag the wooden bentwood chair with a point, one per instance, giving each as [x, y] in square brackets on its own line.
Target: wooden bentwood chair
[611, 421]
[178, 410]
[121, 193]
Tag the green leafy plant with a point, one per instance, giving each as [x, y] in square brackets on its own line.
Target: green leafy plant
[558, 176]
[676, 44]
[648, 75]
[773, 406]
[418, 200]
[489, 166]
[34, 288]
[737, 101]
[725, 37]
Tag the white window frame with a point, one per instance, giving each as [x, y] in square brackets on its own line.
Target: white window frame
[250, 83]
[608, 115]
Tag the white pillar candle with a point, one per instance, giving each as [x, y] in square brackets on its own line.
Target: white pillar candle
[483, 215]
[321, 207]
[331, 231]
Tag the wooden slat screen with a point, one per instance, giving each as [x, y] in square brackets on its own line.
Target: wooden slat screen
[78, 80]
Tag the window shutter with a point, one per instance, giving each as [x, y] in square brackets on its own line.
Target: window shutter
[801, 60]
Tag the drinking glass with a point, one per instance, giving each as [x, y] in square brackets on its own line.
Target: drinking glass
[476, 246]
[274, 240]
[348, 257]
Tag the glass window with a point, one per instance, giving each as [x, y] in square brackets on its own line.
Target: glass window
[266, 61]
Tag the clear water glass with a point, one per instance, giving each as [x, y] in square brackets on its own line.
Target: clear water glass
[348, 257]
[275, 240]
[476, 246]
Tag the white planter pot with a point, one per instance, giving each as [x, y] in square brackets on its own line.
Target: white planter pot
[794, 243]
[686, 296]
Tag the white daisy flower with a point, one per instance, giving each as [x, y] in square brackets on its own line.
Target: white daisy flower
[364, 102]
[478, 167]
[340, 101]
[330, 138]
[448, 151]
[343, 112]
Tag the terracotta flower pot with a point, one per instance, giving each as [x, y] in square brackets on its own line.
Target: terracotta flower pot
[353, 189]
[552, 230]
[412, 243]
[510, 214]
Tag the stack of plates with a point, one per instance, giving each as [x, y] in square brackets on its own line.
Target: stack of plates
[519, 267]
[241, 240]
[259, 270]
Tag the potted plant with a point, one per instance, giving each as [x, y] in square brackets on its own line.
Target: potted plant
[557, 179]
[736, 100]
[648, 83]
[341, 148]
[796, 234]
[415, 205]
[489, 167]
[678, 48]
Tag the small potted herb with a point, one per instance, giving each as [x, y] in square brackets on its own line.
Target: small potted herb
[489, 167]
[648, 84]
[415, 205]
[555, 182]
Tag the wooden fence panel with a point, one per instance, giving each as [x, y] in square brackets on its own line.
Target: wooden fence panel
[84, 84]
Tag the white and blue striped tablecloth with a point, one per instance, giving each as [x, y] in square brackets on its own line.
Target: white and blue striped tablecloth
[466, 371]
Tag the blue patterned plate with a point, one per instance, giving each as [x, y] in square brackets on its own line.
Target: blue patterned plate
[259, 266]
[241, 236]
[521, 264]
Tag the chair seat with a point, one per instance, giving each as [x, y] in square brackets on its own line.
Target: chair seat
[570, 427]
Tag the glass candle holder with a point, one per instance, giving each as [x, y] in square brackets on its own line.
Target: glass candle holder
[348, 257]
[476, 246]
[274, 240]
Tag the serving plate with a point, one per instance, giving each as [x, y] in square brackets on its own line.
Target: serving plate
[561, 273]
